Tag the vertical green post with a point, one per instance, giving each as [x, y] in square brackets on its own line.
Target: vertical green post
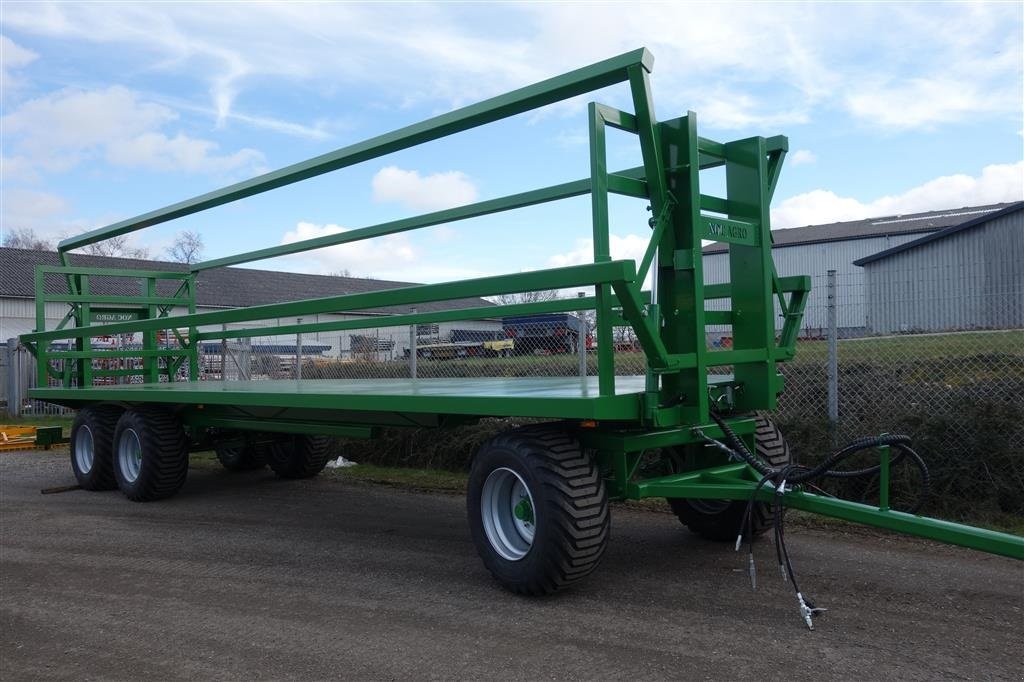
[750, 271]
[150, 364]
[681, 274]
[602, 251]
[883, 478]
[193, 332]
[84, 342]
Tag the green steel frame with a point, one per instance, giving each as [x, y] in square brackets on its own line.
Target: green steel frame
[669, 407]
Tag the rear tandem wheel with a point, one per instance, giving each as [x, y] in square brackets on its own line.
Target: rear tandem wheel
[150, 453]
[538, 510]
[92, 447]
[299, 456]
[244, 456]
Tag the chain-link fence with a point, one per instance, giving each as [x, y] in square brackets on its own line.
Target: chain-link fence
[938, 358]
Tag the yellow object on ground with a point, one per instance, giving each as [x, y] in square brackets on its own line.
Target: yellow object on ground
[17, 438]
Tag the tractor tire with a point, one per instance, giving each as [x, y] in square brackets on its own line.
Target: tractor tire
[299, 456]
[720, 520]
[538, 510]
[92, 447]
[150, 454]
[244, 457]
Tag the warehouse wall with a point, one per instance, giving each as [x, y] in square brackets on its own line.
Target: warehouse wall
[816, 260]
[973, 279]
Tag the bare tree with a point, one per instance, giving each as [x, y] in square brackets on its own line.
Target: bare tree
[344, 272]
[26, 238]
[526, 297]
[187, 247]
[117, 247]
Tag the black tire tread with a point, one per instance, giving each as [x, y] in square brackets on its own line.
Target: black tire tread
[299, 456]
[772, 447]
[252, 456]
[576, 502]
[101, 420]
[164, 453]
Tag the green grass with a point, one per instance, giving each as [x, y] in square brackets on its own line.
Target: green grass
[916, 347]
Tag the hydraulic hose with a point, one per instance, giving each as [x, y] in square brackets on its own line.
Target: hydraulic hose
[794, 474]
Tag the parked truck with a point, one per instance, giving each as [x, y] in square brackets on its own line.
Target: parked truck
[538, 497]
[467, 343]
[547, 333]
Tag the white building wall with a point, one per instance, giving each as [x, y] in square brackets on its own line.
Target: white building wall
[816, 260]
[972, 279]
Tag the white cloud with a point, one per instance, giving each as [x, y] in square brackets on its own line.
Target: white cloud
[883, 56]
[424, 193]
[736, 110]
[924, 102]
[156, 151]
[378, 258]
[630, 246]
[39, 211]
[12, 56]
[802, 157]
[997, 183]
[58, 129]
[61, 129]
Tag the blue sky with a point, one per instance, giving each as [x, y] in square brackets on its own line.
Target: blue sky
[111, 110]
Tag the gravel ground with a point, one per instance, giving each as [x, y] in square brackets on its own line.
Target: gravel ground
[248, 577]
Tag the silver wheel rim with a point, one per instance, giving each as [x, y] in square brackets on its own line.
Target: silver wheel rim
[129, 455]
[85, 449]
[508, 513]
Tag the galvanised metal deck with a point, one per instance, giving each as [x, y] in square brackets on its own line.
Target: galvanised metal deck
[557, 397]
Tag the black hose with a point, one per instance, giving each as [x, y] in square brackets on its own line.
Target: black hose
[795, 474]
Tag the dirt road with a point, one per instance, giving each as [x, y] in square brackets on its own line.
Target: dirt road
[245, 576]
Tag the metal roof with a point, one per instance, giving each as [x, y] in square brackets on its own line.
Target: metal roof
[928, 221]
[941, 234]
[217, 288]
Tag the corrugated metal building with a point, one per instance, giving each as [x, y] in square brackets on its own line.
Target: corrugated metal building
[816, 249]
[968, 276]
[216, 290]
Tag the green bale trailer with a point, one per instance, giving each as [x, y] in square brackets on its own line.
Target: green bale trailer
[538, 496]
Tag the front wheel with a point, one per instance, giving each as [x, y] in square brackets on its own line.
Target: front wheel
[538, 510]
[721, 520]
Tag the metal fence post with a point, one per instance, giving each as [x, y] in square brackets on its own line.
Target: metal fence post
[581, 338]
[224, 355]
[832, 371]
[245, 359]
[13, 378]
[412, 348]
[298, 351]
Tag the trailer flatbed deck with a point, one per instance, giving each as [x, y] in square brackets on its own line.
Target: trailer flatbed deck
[558, 397]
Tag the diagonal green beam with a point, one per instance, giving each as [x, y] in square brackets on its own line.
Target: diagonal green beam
[578, 82]
[541, 280]
[522, 200]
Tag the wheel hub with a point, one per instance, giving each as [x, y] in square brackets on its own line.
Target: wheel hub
[508, 514]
